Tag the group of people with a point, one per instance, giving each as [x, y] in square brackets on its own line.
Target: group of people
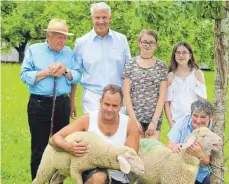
[123, 97]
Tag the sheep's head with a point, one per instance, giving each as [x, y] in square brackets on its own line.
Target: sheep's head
[130, 161]
[206, 138]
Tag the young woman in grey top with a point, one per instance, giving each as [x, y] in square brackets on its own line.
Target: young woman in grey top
[145, 83]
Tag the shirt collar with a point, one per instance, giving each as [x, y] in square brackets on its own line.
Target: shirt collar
[210, 125]
[190, 124]
[48, 47]
[94, 34]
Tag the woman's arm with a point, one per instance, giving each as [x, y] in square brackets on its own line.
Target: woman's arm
[129, 104]
[160, 102]
[127, 98]
[168, 113]
[159, 107]
[168, 103]
[200, 76]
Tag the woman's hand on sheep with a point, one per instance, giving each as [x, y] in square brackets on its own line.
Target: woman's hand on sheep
[151, 129]
[177, 148]
[77, 148]
[195, 150]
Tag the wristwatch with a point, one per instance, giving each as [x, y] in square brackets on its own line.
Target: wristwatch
[66, 71]
[201, 157]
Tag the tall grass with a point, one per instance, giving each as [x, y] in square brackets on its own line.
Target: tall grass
[15, 130]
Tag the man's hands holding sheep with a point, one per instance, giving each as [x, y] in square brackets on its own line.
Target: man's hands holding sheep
[77, 149]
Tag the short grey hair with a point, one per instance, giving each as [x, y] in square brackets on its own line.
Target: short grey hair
[113, 90]
[100, 6]
[202, 105]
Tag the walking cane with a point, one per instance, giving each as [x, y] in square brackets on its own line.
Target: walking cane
[53, 106]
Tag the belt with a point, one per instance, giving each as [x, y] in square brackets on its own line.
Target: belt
[48, 98]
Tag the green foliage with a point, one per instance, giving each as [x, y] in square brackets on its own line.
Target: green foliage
[7, 7]
[174, 21]
[22, 23]
[211, 9]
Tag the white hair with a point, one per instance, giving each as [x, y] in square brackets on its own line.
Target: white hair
[100, 6]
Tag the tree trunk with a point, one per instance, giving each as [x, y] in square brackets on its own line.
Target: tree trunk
[21, 50]
[21, 55]
[220, 99]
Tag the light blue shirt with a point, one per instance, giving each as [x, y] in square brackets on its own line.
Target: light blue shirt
[102, 60]
[178, 134]
[38, 57]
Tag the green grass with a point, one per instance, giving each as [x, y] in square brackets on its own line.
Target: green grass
[15, 135]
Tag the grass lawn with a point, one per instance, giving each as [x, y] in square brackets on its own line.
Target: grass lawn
[15, 130]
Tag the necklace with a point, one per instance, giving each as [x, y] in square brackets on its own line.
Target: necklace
[146, 58]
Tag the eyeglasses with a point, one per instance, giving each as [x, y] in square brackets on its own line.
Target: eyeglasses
[182, 53]
[151, 44]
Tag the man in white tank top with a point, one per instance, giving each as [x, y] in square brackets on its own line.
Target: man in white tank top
[113, 126]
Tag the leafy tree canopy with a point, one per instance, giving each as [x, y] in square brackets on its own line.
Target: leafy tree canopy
[22, 23]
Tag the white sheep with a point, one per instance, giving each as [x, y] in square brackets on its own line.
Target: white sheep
[100, 154]
[165, 167]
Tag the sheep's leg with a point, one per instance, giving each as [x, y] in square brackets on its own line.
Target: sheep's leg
[57, 178]
[44, 175]
[76, 177]
[46, 169]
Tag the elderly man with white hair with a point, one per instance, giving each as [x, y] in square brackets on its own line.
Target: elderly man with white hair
[43, 64]
[102, 54]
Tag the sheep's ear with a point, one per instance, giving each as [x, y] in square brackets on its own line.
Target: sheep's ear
[129, 158]
[189, 142]
[124, 164]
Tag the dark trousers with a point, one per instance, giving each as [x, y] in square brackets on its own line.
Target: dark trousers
[39, 117]
[205, 181]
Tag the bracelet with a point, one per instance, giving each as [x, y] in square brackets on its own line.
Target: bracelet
[154, 122]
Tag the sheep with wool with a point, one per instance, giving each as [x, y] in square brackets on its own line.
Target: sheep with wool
[163, 166]
[100, 154]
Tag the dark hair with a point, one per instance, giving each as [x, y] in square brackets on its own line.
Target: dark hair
[113, 89]
[202, 105]
[148, 32]
[191, 63]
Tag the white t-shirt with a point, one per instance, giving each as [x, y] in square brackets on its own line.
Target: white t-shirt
[182, 92]
[118, 139]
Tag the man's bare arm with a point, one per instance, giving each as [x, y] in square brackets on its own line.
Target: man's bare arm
[58, 142]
